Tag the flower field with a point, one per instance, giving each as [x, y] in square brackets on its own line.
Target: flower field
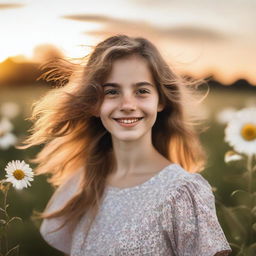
[229, 170]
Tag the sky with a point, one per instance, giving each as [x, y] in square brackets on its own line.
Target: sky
[198, 37]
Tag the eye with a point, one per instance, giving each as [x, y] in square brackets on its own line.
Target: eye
[111, 92]
[143, 91]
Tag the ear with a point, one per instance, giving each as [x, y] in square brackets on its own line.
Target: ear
[160, 107]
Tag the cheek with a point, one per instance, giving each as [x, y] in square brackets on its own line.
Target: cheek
[150, 107]
[105, 109]
[104, 115]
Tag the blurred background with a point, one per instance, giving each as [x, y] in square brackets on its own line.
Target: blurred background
[199, 38]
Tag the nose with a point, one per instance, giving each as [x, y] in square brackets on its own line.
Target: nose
[127, 103]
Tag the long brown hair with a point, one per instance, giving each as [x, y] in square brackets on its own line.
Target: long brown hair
[64, 120]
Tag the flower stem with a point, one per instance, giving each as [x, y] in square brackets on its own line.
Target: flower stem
[249, 168]
[250, 179]
[5, 240]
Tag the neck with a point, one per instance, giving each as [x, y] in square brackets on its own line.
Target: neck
[137, 156]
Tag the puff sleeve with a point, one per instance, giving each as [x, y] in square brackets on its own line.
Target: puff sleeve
[62, 238]
[190, 220]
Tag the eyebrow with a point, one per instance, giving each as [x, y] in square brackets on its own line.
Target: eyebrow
[116, 85]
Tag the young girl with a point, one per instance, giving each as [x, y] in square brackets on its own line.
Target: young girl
[123, 149]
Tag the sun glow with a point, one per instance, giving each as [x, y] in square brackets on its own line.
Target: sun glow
[32, 30]
[195, 41]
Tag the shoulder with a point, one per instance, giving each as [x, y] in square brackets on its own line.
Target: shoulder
[65, 191]
[182, 185]
[179, 178]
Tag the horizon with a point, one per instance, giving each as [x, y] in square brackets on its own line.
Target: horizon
[200, 38]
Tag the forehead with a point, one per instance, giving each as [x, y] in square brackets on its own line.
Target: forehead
[130, 69]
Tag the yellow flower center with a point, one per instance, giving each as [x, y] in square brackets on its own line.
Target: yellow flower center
[248, 132]
[18, 174]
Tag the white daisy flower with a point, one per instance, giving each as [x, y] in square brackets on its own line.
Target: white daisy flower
[225, 116]
[231, 156]
[7, 140]
[10, 109]
[5, 126]
[240, 132]
[19, 174]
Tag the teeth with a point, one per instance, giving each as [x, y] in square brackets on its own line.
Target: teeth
[128, 121]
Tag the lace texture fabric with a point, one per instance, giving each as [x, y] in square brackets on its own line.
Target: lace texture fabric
[173, 214]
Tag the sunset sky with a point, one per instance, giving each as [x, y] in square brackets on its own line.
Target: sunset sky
[201, 37]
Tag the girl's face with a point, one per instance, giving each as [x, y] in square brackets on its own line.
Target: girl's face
[131, 101]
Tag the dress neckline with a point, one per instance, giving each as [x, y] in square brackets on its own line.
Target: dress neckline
[161, 172]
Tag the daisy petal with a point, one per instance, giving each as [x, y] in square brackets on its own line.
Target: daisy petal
[19, 174]
[240, 132]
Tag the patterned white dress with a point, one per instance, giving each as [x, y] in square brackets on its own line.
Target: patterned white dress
[173, 214]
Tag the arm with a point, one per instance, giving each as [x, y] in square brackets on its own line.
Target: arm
[60, 239]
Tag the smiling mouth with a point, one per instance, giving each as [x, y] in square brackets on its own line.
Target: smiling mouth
[128, 120]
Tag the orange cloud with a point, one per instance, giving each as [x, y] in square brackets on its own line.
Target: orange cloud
[11, 6]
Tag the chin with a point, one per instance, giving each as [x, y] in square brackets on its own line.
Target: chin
[128, 137]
